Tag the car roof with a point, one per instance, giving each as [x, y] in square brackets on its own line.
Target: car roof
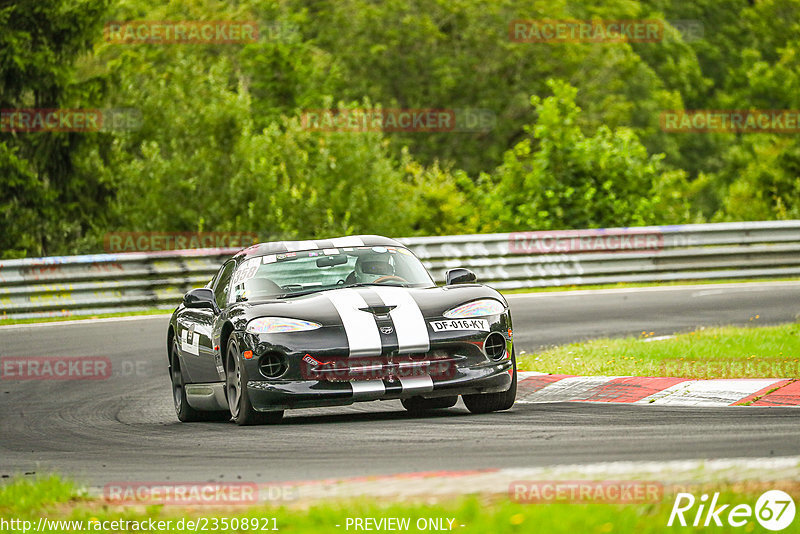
[277, 247]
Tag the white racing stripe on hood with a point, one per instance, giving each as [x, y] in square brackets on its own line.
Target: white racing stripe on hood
[362, 333]
[409, 324]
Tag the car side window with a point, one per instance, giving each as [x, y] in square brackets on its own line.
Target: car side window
[222, 283]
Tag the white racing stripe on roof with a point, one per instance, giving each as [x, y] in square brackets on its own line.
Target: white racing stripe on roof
[360, 327]
[294, 246]
[719, 392]
[347, 241]
[409, 324]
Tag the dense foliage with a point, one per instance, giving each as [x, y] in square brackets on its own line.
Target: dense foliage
[576, 141]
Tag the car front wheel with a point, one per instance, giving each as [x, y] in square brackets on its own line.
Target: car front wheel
[242, 411]
[185, 413]
[494, 402]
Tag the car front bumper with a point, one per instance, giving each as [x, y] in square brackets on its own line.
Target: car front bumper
[271, 395]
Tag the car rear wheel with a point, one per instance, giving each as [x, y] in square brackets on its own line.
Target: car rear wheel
[420, 405]
[242, 411]
[185, 413]
[494, 402]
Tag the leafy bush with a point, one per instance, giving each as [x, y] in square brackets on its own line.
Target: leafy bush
[561, 178]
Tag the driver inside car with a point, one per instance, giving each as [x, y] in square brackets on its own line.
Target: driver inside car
[370, 268]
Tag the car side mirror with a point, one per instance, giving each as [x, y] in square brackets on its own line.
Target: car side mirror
[460, 276]
[202, 297]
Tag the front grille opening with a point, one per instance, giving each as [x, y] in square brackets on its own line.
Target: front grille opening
[431, 355]
[272, 364]
[495, 346]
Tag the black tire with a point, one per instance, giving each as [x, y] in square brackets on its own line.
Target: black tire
[494, 402]
[241, 409]
[185, 413]
[420, 405]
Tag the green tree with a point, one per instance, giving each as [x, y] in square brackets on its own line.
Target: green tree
[569, 180]
[48, 201]
[458, 54]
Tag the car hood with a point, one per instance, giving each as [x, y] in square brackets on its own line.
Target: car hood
[330, 307]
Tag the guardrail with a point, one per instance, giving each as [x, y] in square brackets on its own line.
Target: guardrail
[134, 281]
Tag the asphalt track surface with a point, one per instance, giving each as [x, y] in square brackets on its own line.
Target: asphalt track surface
[124, 428]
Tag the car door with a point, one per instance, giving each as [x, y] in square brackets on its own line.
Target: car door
[195, 327]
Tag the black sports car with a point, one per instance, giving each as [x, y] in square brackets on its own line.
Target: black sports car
[298, 324]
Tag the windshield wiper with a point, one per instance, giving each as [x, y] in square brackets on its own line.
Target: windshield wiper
[307, 292]
[317, 290]
[297, 293]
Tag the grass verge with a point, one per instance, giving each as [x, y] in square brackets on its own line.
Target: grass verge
[58, 500]
[725, 352]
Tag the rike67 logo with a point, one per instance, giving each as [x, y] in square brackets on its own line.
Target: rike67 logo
[774, 510]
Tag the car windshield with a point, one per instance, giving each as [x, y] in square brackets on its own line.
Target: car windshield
[295, 273]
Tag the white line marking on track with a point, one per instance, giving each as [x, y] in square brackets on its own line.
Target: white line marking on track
[719, 392]
[744, 286]
[522, 375]
[165, 315]
[567, 389]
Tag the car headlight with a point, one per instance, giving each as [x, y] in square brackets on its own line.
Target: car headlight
[276, 325]
[476, 308]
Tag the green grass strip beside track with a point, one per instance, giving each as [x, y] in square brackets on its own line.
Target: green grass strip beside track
[726, 352]
[56, 499]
